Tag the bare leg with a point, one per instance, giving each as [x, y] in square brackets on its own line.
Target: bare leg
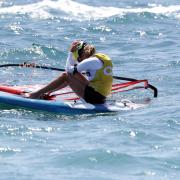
[59, 87]
[49, 88]
[77, 82]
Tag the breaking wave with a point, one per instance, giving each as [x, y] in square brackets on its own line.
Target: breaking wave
[68, 9]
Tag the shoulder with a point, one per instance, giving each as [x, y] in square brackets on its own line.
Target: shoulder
[91, 63]
[93, 60]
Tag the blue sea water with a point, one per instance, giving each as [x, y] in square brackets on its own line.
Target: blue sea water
[143, 39]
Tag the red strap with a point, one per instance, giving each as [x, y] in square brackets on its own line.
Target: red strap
[123, 85]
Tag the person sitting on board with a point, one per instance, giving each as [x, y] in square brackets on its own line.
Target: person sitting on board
[95, 86]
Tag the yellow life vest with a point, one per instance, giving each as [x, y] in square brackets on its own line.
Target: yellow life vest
[102, 81]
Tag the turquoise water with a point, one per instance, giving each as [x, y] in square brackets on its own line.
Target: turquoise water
[142, 37]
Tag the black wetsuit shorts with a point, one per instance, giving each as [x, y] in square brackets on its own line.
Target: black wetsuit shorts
[92, 96]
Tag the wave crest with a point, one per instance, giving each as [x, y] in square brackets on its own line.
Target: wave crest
[68, 9]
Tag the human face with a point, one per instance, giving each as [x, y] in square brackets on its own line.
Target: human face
[83, 56]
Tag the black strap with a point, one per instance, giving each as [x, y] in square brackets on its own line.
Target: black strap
[75, 69]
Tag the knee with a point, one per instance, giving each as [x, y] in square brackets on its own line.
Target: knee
[64, 74]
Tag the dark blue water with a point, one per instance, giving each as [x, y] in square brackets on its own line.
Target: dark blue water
[143, 39]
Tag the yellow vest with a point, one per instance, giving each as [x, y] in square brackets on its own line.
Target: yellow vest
[102, 81]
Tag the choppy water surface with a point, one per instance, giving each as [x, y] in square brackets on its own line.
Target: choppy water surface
[142, 38]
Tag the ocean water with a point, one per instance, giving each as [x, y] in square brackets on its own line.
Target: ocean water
[143, 39]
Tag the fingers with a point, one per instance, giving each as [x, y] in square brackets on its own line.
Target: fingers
[74, 45]
[76, 42]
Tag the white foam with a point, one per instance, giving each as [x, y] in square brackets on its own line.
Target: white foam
[36, 10]
[79, 11]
